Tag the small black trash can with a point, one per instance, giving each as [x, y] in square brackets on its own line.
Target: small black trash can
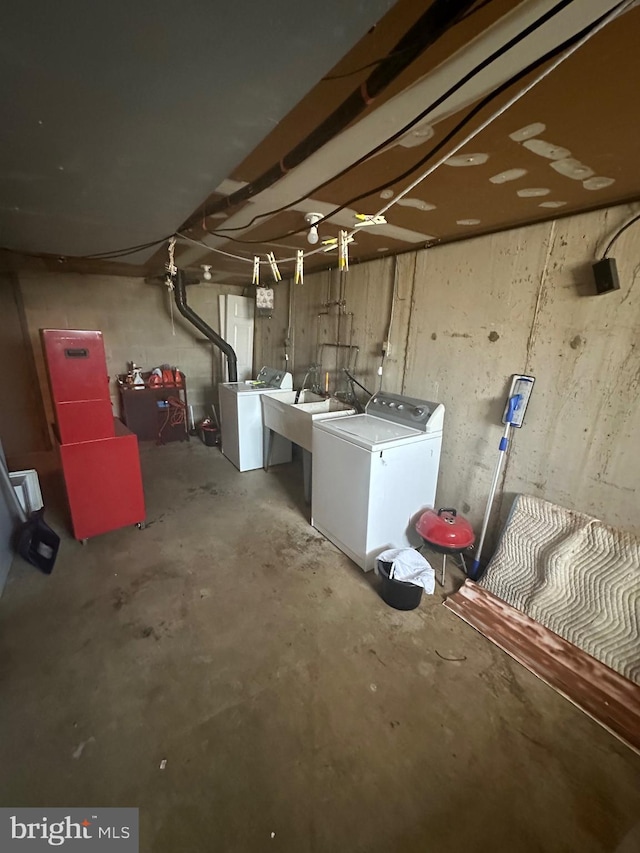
[210, 435]
[398, 594]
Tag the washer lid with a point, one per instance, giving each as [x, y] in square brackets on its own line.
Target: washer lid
[252, 387]
[240, 387]
[371, 429]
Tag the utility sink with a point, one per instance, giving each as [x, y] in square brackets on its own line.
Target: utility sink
[294, 420]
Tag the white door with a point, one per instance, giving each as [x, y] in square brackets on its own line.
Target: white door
[236, 324]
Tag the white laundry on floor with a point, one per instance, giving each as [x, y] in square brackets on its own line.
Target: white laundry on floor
[410, 566]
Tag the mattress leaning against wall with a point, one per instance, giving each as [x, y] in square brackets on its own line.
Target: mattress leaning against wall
[561, 595]
[576, 576]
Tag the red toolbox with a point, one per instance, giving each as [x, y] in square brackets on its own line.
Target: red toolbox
[77, 369]
[99, 455]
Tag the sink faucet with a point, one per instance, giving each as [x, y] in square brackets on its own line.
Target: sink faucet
[315, 386]
[304, 386]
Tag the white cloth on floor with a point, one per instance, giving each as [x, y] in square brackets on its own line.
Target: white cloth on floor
[410, 566]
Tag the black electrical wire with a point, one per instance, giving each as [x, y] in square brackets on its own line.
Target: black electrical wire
[128, 249]
[395, 53]
[618, 233]
[525, 33]
[461, 124]
[122, 253]
[371, 64]
[359, 384]
[114, 254]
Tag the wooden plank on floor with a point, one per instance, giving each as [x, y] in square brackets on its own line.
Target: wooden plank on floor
[607, 697]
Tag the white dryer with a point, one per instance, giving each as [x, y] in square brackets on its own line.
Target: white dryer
[241, 419]
[374, 473]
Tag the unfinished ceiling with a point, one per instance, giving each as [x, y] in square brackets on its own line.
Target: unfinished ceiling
[119, 118]
[567, 145]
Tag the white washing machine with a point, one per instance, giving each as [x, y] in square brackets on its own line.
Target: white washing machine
[373, 474]
[241, 419]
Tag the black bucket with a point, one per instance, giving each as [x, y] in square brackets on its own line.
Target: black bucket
[210, 435]
[398, 594]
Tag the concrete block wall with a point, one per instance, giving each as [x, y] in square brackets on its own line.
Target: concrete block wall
[468, 315]
[137, 323]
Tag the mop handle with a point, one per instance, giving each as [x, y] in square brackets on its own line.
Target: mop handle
[504, 444]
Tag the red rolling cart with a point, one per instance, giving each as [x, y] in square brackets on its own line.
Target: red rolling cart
[99, 455]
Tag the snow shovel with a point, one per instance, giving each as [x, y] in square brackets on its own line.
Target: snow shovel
[35, 541]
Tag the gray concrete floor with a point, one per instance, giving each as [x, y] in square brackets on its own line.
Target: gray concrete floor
[232, 640]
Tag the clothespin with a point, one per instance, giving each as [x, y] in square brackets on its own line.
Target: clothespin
[299, 277]
[256, 270]
[343, 250]
[369, 219]
[332, 243]
[274, 267]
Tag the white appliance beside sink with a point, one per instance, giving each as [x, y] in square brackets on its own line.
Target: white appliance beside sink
[241, 417]
[375, 473]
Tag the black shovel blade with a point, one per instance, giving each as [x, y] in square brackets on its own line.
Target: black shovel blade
[38, 544]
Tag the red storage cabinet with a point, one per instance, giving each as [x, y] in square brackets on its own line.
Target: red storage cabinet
[84, 420]
[99, 455]
[77, 368]
[77, 364]
[104, 483]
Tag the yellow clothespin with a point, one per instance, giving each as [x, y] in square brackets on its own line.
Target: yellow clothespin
[299, 277]
[343, 258]
[256, 270]
[332, 243]
[274, 267]
[369, 219]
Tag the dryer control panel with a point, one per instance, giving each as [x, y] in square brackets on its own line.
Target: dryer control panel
[408, 411]
[271, 377]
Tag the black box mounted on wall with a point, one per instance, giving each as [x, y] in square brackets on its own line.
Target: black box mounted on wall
[605, 273]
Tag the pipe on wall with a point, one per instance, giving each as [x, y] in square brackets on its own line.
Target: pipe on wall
[180, 295]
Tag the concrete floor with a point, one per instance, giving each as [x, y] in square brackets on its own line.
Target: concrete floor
[232, 640]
